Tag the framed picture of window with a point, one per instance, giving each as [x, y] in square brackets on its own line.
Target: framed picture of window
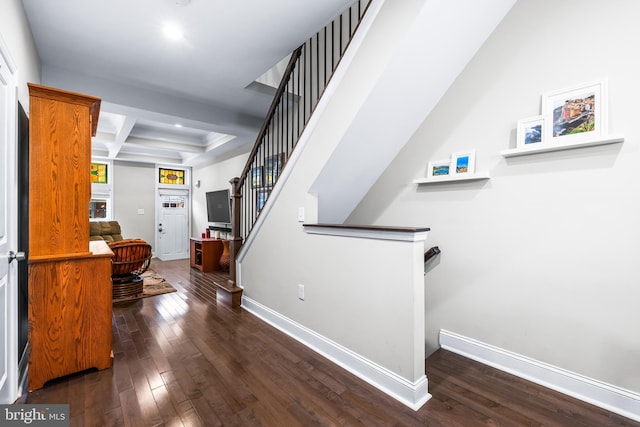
[576, 114]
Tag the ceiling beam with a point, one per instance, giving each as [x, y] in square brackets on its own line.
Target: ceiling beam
[121, 136]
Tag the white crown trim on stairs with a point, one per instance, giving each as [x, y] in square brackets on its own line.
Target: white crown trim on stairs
[614, 399]
[412, 394]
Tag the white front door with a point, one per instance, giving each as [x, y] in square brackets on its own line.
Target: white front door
[173, 226]
[8, 232]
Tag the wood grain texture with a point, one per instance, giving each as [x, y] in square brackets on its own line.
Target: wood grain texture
[69, 317]
[59, 164]
[184, 359]
[210, 251]
[51, 93]
[69, 287]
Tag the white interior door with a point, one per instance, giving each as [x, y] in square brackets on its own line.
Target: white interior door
[8, 231]
[173, 226]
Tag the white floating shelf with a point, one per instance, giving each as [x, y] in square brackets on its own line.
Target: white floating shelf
[543, 148]
[453, 178]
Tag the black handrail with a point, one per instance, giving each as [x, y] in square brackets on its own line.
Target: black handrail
[431, 253]
[277, 99]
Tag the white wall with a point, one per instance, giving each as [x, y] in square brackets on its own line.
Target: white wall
[16, 33]
[441, 37]
[541, 259]
[212, 177]
[134, 187]
[128, 199]
[349, 294]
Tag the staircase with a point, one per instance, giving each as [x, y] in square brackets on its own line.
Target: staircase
[305, 79]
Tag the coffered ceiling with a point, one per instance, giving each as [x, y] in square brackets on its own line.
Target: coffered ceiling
[187, 101]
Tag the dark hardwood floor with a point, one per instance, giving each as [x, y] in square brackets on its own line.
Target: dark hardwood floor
[181, 359]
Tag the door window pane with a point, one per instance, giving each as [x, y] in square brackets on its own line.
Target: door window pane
[173, 202]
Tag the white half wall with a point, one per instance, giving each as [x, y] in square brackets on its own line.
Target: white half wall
[414, 394]
[356, 296]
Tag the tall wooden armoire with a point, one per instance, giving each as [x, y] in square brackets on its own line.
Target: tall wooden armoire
[69, 279]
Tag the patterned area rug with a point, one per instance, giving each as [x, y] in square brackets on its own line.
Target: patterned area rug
[153, 284]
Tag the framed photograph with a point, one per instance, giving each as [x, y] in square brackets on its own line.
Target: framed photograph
[530, 131]
[256, 177]
[463, 162]
[273, 167]
[576, 114]
[261, 198]
[439, 169]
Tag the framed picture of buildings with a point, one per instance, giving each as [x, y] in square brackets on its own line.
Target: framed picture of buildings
[576, 114]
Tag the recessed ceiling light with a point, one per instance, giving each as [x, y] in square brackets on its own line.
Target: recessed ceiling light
[178, 125]
[172, 31]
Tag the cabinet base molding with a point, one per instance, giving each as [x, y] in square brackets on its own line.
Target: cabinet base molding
[69, 317]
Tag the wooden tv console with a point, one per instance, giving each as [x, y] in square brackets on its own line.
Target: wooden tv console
[205, 254]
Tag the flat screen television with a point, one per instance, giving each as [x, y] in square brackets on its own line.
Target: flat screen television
[219, 206]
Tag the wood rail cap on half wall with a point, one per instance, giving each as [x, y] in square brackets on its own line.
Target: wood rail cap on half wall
[408, 234]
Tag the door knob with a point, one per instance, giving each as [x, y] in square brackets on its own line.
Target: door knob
[20, 256]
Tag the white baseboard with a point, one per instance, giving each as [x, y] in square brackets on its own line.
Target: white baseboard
[412, 394]
[597, 393]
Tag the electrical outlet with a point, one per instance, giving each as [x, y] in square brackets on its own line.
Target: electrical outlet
[300, 291]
